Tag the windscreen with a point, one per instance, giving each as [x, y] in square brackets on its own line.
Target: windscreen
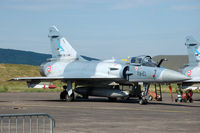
[144, 61]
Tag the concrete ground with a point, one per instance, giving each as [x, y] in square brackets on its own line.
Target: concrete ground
[97, 115]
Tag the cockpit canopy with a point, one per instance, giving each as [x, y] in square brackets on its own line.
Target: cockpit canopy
[143, 60]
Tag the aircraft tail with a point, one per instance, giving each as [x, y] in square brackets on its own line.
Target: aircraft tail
[193, 49]
[61, 48]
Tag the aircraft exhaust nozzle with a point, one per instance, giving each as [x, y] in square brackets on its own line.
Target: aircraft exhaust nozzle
[172, 76]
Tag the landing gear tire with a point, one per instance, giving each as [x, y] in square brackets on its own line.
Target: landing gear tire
[150, 98]
[143, 101]
[185, 100]
[63, 95]
[69, 98]
[190, 100]
[176, 100]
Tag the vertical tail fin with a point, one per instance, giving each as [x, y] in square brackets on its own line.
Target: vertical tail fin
[193, 49]
[60, 47]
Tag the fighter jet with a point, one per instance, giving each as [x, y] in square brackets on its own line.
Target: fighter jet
[98, 77]
[193, 68]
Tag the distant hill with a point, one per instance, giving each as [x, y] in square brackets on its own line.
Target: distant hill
[10, 56]
[174, 61]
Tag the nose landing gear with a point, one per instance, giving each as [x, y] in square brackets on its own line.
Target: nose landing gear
[144, 94]
[143, 101]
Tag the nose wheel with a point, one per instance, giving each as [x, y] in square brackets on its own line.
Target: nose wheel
[144, 94]
[143, 101]
[63, 95]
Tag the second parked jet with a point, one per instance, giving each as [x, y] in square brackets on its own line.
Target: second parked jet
[193, 68]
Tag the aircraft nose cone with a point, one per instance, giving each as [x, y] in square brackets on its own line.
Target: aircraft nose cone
[172, 76]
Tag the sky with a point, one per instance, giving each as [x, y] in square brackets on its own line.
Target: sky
[101, 28]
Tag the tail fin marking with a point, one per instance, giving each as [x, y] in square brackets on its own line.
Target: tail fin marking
[60, 47]
[193, 49]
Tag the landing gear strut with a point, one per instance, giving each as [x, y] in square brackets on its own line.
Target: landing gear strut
[144, 94]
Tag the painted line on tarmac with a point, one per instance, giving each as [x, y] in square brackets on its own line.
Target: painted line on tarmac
[98, 108]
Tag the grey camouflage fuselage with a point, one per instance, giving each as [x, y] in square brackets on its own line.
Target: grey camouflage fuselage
[68, 66]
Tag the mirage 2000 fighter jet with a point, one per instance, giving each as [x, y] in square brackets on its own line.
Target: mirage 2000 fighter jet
[98, 77]
[192, 69]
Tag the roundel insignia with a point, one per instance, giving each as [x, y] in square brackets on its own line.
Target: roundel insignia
[189, 72]
[49, 68]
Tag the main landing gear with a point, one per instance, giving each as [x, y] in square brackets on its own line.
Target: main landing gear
[67, 93]
[64, 96]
